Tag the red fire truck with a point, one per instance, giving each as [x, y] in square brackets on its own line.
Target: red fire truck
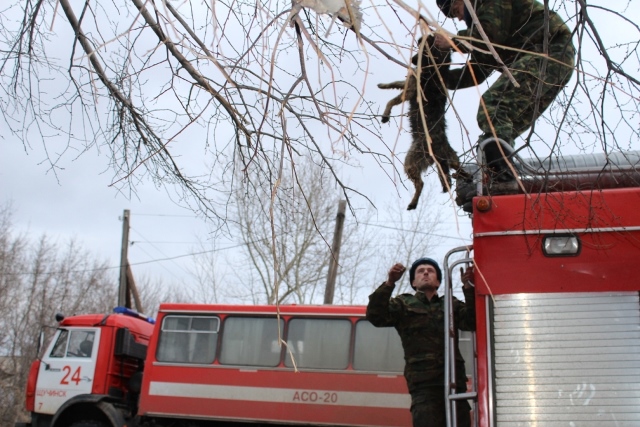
[558, 310]
[221, 364]
[557, 340]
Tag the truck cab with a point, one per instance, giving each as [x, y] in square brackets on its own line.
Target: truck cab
[90, 373]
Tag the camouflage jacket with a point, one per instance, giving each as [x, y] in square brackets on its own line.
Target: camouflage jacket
[420, 323]
[517, 25]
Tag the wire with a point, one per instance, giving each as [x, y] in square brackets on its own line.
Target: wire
[415, 231]
[88, 270]
[160, 251]
[168, 215]
[191, 254]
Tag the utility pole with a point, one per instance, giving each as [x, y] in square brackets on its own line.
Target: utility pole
[124, 261]
[127, 289]
[335, 253]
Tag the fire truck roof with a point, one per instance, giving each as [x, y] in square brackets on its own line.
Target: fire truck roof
[114, 320]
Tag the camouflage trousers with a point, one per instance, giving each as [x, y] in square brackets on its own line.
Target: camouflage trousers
[511, 110]
[428, 408]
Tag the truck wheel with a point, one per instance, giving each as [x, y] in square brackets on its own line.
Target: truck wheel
[88, 423]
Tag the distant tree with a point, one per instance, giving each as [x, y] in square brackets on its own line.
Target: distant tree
[287, 238]
[207, 278]
[154, 291]
[37, 280]
[410, 238]
[286, 234]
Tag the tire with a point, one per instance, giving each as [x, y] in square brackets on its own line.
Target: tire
[88, 423]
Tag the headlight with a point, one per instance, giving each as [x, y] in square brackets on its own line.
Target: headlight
[561, 245]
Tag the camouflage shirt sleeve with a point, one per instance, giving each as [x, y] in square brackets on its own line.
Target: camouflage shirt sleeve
[495, 19]
[383, 310]
[465, 312]
[512, 27]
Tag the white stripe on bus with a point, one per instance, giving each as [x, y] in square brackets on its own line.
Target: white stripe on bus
[280, 395]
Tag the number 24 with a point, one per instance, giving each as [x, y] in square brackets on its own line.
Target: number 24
[74, 378]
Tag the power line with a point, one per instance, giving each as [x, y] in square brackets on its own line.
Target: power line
[414, 231]
[138, 242]
[168, 215]
[365, 223]
[88, 270]
[191, 254]
[158, 249]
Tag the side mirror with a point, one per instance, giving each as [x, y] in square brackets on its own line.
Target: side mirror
[40, 342]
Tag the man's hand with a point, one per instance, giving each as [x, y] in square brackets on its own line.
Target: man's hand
[442, 42]
[467, 277]
[395, 273]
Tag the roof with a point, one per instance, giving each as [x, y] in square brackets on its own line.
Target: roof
[112, 320]
[319, 310]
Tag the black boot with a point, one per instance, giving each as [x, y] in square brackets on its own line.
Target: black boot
[497, 166]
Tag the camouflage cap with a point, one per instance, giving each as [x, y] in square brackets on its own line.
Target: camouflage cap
[420, 261]
[445, 6]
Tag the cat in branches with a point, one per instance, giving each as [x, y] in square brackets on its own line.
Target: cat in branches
[431, 98]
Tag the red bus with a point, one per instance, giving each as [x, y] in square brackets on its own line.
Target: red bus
[221, 364]
[226, 363]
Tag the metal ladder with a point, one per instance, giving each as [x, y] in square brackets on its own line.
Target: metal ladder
[451, 396]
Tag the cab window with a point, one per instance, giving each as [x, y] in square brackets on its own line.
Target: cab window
[73, 343]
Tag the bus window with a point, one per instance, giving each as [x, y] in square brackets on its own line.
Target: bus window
[377, 349]
[465, 344]
[319, 343]
[188, 339]
[250, 341]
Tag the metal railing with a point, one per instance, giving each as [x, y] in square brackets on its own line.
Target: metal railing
[562, 173]
[451, 394]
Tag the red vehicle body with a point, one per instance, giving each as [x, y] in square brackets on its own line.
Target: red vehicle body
[221, 364]
[558, 337]
[557, 341]
[332, 383]
[89, 371]
[557, 295]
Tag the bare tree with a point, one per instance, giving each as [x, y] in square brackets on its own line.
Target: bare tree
[156, 85]
[408, 238]
[298, 221]
[287, 237]
[222, 98]
[37, 280]
[154, 291]
[208, 278]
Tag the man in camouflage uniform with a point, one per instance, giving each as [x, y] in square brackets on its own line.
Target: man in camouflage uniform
[518, 26]
[419, 319]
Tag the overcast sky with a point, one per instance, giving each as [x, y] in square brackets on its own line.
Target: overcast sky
[80, 204]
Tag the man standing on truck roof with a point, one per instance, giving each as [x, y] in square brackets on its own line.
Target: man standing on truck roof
[523, 34]
[419, 319]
